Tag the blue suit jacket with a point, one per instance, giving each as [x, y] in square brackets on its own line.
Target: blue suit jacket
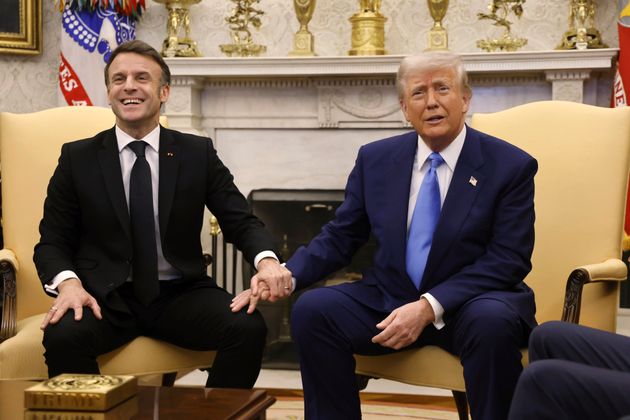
[482, 244]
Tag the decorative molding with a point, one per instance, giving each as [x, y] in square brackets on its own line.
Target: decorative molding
[358, 92]
[288, 67]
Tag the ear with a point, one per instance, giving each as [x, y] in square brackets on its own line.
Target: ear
[465, 103]
[403, 108]
[165, 91]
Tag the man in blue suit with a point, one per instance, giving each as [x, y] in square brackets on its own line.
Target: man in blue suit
[462, 289]
[575, 372]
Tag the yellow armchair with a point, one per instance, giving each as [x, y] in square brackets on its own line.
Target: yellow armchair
[583, 154]
[29, 147]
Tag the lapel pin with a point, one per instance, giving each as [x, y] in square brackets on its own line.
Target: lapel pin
[473, 181]
[169, 154]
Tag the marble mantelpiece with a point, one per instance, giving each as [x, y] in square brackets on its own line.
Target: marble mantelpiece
[357, 92]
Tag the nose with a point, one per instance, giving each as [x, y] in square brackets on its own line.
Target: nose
[431, 99]
[129, 83]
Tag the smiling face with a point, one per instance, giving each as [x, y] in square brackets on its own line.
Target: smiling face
[135, 93]
[435, 104]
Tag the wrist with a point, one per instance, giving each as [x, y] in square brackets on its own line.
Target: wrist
[71, 282]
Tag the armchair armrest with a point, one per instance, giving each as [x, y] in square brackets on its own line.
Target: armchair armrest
[609, 270]
[8, 268]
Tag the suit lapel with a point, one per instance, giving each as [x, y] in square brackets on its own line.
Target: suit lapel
[461, 195]
[109, 160]
[169, 167]
[398, 181]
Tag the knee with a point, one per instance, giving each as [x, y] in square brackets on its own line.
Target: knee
[69, 334]
[538, 375]
[492, 325]
[251, 326]
[544, 337]
[309, 312]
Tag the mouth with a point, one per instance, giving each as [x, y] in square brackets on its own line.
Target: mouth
[435, 119]
[132, 101]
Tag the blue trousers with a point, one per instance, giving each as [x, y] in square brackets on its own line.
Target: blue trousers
[330, 326]
[576, 372]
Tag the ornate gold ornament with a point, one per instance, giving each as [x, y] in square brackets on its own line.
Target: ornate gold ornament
[582, 33]
[368, 29]
[438, 38]
[178, 21]
[499, 12]
[303, 41]
[242, 16]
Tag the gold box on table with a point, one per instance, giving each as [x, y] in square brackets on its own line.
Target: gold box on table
[79, 392]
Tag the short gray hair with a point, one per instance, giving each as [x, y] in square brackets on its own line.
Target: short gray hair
[431, 61]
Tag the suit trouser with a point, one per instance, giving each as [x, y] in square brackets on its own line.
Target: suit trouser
[329, 326]
[193, 315]
[576, 372]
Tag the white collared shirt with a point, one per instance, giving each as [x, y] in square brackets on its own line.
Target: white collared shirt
[444, 174]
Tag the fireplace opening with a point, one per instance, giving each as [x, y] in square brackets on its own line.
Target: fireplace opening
[295, 217]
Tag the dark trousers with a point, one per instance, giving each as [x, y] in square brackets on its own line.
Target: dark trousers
[329, 326]
[576, 372]
[193, 315]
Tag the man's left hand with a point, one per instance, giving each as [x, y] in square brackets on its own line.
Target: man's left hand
[273, 276]
[404, 325]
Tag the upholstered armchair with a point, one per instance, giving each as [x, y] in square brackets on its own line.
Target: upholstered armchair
[30, 145]
[583, 153]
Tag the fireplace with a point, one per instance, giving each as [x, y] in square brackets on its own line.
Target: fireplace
[294, 217]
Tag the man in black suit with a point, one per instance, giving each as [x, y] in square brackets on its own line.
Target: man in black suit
[142, 275]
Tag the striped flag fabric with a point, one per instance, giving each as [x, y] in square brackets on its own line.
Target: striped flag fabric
[621, 87]
[90, 31]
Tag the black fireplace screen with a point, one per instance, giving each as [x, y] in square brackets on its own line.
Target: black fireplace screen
[294, 217]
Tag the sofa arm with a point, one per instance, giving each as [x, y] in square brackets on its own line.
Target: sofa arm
[609, 270]
[8, 268]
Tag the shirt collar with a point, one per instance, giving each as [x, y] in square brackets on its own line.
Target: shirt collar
[450, 154]
[153, 138]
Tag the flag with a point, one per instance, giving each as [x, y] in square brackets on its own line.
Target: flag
[620, 84]
[90, 31]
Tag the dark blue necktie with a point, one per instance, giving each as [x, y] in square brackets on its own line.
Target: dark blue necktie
[425, 218]
[144, 276]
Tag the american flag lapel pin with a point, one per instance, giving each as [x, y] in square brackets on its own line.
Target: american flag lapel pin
[473, 181]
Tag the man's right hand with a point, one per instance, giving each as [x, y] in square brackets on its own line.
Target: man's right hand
[73, 296]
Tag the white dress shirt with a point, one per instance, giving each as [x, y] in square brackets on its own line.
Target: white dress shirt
[444, 174]
[127, 159]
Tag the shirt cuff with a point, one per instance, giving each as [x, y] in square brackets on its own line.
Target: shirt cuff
[438, 310]
[56, 281]
[264, 254]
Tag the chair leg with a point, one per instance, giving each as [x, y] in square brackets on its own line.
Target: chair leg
[168, 379]
[462, 404]
[362, 381]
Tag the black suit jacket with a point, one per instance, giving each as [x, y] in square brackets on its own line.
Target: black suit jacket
[86, 228]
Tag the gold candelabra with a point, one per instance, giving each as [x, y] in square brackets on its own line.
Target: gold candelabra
[303, 41]
[243, 15]
[178, 21]
[368, 29]
[438, 38]
[499, 12]
[582, 33]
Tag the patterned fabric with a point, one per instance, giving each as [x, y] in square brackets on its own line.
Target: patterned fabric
[87, 40]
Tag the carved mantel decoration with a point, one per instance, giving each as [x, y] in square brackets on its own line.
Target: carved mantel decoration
[351, 92]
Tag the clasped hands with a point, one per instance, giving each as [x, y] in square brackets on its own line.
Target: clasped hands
[271, 283]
